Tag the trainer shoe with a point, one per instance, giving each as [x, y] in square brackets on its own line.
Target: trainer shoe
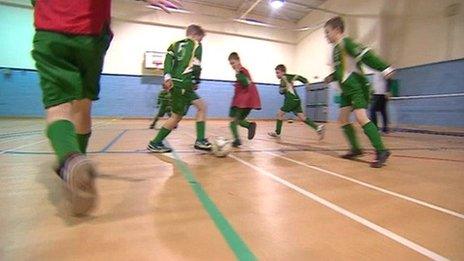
[158, 147]
[381, 158]
[273, 134]
[79, 175]
[202, 145]
[353, 154]
[321, 131]
[252, 130]
[236, 143]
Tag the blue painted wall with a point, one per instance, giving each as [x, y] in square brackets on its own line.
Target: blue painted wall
[438, 78]
[134, 96]
[127, 96]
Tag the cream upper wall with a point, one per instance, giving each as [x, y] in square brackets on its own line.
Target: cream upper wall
[138, 29]
[415, 36]
[125, 55]
[405, 32]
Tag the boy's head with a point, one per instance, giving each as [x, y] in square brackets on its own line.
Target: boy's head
[234, 61]
[280, 70]
[334, 29]
[195, 32]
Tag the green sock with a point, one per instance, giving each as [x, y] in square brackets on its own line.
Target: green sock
[311, 123]
[351, 136]
[83, 140]
[244, 123]
[201, 130]
[278, 127]
[62, 136]
[234, 129]
[162, 134]
[373, 133]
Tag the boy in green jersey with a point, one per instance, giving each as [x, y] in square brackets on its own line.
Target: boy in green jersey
[182, 68]
[348, 56]
[292, 102]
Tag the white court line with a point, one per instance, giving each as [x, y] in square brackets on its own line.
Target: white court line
[18, 138]
[22, 146]
[43, 140]
[405, 242]
[419, 202]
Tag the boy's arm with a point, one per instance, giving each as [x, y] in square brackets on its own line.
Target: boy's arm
[242, 79]
[197, 64]
[367, 57]
[329, 78]
[168, 66]
[300, 78]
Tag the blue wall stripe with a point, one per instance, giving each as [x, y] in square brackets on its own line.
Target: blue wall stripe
[135, 96]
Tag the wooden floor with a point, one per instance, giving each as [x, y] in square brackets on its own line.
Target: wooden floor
[287, 199]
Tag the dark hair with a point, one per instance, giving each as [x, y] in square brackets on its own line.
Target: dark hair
[336, 23]
[194, 29]
[234, 56]
[281, 67]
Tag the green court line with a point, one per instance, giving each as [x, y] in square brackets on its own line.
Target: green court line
[238, 246]
[113, 141]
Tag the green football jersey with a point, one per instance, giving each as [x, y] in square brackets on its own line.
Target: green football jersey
[348, 56]
[286, 85]
[183, 61]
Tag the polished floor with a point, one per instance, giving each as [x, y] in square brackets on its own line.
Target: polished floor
[291, 198]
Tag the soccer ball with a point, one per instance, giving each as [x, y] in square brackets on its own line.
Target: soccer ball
[221, 147]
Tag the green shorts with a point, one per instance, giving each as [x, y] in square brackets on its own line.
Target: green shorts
[239, 113]
[182, 98]
[292, 105]
[163, 109]
[356, 92]
[69, 66]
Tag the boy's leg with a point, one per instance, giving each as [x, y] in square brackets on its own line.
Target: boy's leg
[250, 126]
[201, 143]
[374, 109]
[180, 105]
[83, 122]
[156, 145]
[233, 125]
[370, 129]
[350, 133]
[360, 104]
[306, 120]
[320, 129]
[200, 118]
[278, 129]
[62, 82]
[61, 131]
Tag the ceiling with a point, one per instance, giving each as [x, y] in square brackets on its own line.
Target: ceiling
[292, 11]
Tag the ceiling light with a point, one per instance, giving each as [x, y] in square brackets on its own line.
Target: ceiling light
[276, 4]
[252, 22]
[173, 10]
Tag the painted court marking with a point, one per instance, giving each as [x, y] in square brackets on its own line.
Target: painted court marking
[238, 246]
[43, 140]
[405, 242]
[410, 199]
[113, 141]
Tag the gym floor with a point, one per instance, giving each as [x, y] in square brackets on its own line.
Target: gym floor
[291, 198]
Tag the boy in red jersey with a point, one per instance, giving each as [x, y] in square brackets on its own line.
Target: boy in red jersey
[70, 43]
[246, 98]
